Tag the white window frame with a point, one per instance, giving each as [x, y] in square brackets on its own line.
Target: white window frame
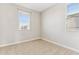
[26, 13]
[73, 26]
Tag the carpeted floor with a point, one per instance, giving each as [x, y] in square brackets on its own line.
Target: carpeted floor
[35, 47]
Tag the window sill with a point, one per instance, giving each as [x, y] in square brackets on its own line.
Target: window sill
[23, 29]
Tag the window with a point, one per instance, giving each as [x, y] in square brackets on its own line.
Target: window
[73, 16]
[24, 20]
[73, 8]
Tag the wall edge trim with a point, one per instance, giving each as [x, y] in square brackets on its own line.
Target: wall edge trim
[18, 42]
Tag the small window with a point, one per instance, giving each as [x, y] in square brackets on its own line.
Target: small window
[24, 20]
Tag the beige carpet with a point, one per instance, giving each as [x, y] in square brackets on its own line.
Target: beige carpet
[35, 47]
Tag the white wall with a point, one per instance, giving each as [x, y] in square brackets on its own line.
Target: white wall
[54, 27]
[9, 32]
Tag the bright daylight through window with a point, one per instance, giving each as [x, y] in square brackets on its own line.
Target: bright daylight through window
[24, 20]
[73, 16]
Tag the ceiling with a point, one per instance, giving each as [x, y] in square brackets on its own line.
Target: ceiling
[37, 6]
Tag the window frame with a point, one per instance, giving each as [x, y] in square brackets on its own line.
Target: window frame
[72, 28]
[28, 14]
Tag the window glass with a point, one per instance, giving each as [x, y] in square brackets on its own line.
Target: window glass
[73, 8]
[24, 20]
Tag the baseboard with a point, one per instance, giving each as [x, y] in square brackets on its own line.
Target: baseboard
[18, 42]
[73, 49]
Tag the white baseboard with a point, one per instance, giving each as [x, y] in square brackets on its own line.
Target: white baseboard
[73, 49]
[18, 42]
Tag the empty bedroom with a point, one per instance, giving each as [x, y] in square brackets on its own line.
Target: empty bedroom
[39, 28]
